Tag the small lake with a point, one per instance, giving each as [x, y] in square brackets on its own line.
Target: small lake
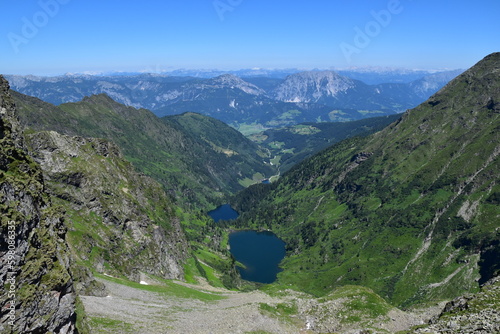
[223, 212]
[260, 252]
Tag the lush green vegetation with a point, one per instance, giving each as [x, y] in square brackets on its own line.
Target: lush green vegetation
[292, 144]
[197, 159]
[407, 211]
[282, 311]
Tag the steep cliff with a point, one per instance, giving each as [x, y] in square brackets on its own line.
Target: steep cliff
[37, 294]
[120, 222]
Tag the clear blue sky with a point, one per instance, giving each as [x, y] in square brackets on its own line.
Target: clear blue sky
[59, 36]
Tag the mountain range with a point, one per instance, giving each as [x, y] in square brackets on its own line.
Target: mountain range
[369, 75]
[241, 102]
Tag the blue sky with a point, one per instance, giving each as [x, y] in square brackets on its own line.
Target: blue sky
[48, 37]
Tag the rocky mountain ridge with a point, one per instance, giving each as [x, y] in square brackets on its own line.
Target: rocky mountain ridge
[338, 91]
[468, 314]
[38, 294]
[301, 97]
[118, 220]
[234, 82]
[312, 87]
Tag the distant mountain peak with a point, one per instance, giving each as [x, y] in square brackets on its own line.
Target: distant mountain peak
[327, 74]
[232, 81]
[311, 86]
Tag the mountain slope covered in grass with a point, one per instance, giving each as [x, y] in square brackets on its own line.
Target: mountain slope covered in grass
[184, 157]
[411, 212]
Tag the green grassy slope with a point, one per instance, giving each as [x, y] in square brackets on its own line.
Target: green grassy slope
[237, 157]
[411, 212]
[197, 169]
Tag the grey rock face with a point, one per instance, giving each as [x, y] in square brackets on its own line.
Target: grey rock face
[120, 221]
[473, 313]
[37, 294]
[311, 87]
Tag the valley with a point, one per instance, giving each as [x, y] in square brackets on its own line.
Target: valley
[393, 203]
[289, 145]
[380, 224]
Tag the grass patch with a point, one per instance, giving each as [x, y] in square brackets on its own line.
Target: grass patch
[362, 302]
[190, 271]
[276, 160]
[302, 129]
[106, 325]
[250, 128]
[276, 144]
[256, 178]
[281, 311]
[167, 288]
[82, 323]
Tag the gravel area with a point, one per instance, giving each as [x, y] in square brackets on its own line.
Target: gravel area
[131, 310]
[149, 312]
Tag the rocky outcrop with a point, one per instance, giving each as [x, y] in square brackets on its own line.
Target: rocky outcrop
[120, 222]
[473, 313]
[37, 293]
[313, 87]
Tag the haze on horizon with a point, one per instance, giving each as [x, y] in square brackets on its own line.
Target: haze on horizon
[51, 37]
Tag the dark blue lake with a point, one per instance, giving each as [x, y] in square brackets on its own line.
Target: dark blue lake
[223, 212]
[260, 252]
